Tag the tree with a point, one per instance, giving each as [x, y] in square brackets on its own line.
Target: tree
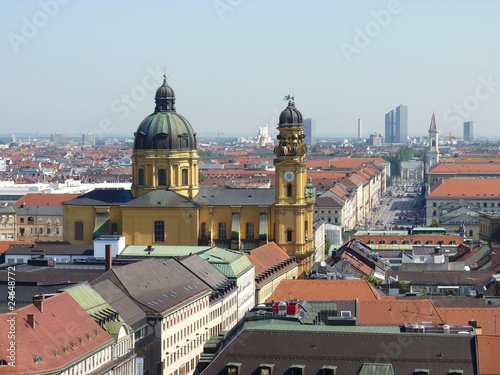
[201, 177]
[333, 168]
[435, 224]
[328, 243]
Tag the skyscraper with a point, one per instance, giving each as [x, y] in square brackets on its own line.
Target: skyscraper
[310, 131]
[396, 125]
[469, 130]
[402, 124]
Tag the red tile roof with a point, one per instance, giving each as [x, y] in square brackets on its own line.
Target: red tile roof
[324, 290]
[412, 239]
[266, 257]
[35, 199]
[488, 348]
[4, 245]
[466, 187]
[398, 312]
[445, 168]
[61, 322]
[486, 317]
[351, 163]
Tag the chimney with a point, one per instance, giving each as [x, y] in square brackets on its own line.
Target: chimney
[31, 320]
[473, 323]
[38, 302]
[109, 258]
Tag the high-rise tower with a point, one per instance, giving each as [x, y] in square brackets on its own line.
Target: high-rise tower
[294, 198]
[433, 142]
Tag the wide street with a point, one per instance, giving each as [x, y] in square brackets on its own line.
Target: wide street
[400, 208]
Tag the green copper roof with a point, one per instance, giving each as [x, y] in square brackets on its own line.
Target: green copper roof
[162, 251]
[283, 325]
[7, 210]
[96, 306]
[230, 262]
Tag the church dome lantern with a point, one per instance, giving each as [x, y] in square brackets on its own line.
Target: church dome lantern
[290, 115]
[165, 129]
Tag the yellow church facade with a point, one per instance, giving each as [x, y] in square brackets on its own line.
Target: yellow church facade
[167, 206]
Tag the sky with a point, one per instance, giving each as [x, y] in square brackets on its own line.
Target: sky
[74, 66]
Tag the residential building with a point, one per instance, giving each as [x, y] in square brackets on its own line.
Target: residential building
[55, 335]
[232, 264]
[481, 192]
[375, 140]
[176, 305]
[297, 337]
[272, 265]
[110, 320]
[463, 169]
[8, 224]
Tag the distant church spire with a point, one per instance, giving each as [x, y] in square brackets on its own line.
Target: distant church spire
[433, 142]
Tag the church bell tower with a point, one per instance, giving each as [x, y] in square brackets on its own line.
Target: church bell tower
[433, 143]
[294, 198]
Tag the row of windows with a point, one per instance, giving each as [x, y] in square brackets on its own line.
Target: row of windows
[323, 211]
[407, 242]
[485, 204]
[162, 177]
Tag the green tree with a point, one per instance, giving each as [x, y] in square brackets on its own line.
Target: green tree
[333, 168]
[435, 224]
[201, 177]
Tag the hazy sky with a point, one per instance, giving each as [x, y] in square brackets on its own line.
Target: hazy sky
[78, 66]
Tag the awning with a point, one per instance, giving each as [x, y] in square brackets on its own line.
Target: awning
[263, 227]
[101, 224]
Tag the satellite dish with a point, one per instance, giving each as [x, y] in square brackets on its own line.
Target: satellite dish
[467, 268]
[323, 263]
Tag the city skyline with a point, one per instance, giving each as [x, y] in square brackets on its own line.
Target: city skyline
[93, 67]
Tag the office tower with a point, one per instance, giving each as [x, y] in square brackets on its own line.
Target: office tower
[360, 128]
[396, 125]
[469, 130]
[310, 131]
[433, 143]
[58, 139]
[88, 139]
[402, 124]
[375, 140]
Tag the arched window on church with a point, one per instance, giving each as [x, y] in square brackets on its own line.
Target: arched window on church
[289, 235]
[162, 177]
[222, 231]
[433, 143]
[141, 176]
[204, 231]
[250, 231]
[79, 231]
[184, 177]
[289, 190]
